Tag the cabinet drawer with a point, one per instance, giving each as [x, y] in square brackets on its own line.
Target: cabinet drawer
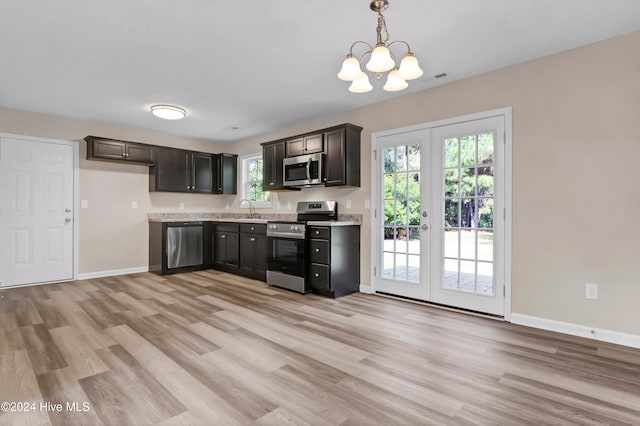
[319, 277]
[319, 251]
[226, 227]
[320, 232]
[253, 228]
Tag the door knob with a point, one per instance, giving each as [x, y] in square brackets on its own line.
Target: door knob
[67, 210]
[424, 214]
[424, 227]
[67, 220]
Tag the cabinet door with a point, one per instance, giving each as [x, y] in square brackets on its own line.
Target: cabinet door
[295, 147]
[247, 253]
[219, 248]
[225, 174]
[113, 150]
[139, 153]
[173, 170]
[233, 250]
[261, 257]
[313, 144]
[335, 159]
[202, 172]
[272, 156]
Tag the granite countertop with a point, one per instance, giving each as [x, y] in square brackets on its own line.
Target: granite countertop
[331, 223]
[343, 220]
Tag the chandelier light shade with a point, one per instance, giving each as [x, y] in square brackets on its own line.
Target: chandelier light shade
[381, 59]
[168, 112]
[361, 85]
[394, 82]
[350, 69]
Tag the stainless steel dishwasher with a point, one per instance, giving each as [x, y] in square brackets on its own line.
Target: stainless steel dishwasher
[184, 244]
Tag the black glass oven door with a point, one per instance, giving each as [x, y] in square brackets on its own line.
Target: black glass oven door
[286, 255]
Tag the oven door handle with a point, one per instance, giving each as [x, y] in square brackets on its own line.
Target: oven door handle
[309, 170]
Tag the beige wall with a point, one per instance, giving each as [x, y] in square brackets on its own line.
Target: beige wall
[576, 191]
[113, 236]
[576, 123]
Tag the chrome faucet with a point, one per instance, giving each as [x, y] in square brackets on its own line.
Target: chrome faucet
[250, 207]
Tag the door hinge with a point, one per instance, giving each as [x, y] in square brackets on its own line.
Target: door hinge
[375, 213]
[504, 291]
[504, 139]
[375, 154]
[374, 271]
[505, 213]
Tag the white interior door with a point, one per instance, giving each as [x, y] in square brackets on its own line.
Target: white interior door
[37, 211]
[438, 232]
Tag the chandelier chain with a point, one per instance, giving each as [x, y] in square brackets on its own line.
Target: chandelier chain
[382, 26]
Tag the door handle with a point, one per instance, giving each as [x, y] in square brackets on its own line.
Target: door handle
[67, 220]
[309, 169]
[424, 227]
[67, 210]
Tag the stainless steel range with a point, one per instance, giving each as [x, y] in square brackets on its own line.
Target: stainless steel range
[288, 245]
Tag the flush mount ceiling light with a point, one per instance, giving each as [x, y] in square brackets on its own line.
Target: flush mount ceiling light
[168, 112]
[381, 60]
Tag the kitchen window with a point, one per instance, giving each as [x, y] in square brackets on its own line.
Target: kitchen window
[252, 167]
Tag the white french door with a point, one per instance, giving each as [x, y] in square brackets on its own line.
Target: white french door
[440, 220]
[36, 211]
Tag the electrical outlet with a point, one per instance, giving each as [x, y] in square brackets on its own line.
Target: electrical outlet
[348, 204]
[591, 291]
[134, 204]
[181, 206]
[367, 204]
[84, 204]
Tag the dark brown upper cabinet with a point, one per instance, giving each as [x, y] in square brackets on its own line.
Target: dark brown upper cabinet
[104, 149]
[225, 174]
[272, 156]
[340, 144]
[342, 159]
[179, 170]
[309, 144]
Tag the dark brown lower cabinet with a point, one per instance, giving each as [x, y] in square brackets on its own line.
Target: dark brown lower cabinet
[225, 246]
[334, 268]
[254, 250]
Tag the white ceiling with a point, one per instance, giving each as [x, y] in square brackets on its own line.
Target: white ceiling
[261, 65]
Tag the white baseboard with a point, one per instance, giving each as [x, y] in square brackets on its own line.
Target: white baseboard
[366, 289]
[100, 274]
[625, 339]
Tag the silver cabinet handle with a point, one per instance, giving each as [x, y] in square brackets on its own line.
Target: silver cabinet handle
[223, 236]
[317, 232]
[317, 250]
[271, 183]
[317, 275]
[253, 229]
[252, 239]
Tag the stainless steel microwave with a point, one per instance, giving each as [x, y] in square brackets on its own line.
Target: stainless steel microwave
[304, 170]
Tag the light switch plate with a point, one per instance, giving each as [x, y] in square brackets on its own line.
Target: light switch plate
[84, 204]
[181, 206]
[367, 204]
[591, 291]
[134, 204]
[348, 203]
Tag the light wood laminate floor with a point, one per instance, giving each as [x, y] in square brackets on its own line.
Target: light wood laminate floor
[212, 348]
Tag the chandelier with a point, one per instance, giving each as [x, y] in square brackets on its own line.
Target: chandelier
[381, 60]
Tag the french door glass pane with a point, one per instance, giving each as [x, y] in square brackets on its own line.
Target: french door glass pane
[401, 256]
[468, 213]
